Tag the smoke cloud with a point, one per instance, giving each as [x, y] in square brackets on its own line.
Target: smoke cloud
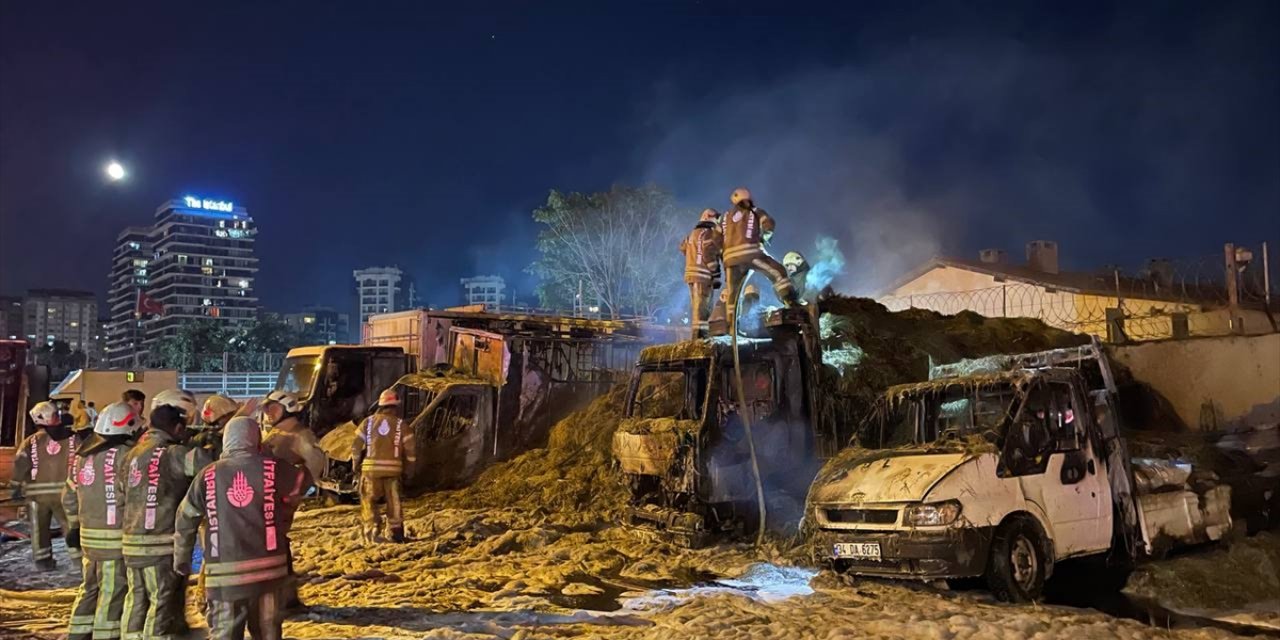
[938, 145]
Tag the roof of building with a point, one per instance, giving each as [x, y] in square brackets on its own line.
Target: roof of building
[59, 293]
[1097, 283]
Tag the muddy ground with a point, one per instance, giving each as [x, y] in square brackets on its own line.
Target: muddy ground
[530, 550]
[522, 573]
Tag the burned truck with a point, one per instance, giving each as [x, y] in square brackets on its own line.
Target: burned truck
[476, 387]
[1001, 468]
[682, 445]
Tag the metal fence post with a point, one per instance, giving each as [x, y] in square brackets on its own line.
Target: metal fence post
[1233, 288]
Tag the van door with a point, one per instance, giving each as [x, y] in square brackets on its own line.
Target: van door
[1047, 449]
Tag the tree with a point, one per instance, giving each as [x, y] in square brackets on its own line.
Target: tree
[619, 246]
[208, 345]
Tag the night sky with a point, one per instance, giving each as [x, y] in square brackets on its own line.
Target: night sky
[376, 133]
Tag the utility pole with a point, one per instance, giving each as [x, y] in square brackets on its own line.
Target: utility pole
[1233, 288]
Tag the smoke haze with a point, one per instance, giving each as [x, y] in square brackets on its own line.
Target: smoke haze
[949, 145]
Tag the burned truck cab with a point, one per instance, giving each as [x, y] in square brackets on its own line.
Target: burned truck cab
[683, 447]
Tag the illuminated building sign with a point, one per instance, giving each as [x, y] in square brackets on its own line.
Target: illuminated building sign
[208, 205]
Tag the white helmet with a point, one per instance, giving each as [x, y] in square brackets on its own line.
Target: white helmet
[709, 215]
[117, 420]
[183, 401]
[217, 407]
[45, 414]
[389, 397]
[287, 400]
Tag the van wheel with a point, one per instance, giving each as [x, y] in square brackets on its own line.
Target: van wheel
[1017, 567]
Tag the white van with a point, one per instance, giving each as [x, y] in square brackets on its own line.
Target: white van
[1002, 474]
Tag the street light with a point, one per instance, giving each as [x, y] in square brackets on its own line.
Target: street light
[115, 171]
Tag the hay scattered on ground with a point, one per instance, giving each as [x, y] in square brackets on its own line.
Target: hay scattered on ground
[1237, 576]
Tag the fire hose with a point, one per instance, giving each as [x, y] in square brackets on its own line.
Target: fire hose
[743, 411]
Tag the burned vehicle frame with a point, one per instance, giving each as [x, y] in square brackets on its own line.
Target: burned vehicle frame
[681, 445]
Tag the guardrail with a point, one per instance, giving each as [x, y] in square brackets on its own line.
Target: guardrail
[237, 385]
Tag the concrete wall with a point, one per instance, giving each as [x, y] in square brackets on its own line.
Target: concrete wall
[950, 290]
[1212, 382]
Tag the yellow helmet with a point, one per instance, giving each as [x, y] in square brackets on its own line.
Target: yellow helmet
[740, 194]
[794, 261]
[709, 215]
[751, 290]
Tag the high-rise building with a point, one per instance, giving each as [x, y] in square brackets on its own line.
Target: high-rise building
[60, 315]
[11, 315]
[383, 290]
[196, 262]
[321, 325]
[485, 290]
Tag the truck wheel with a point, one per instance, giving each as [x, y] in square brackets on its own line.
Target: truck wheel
[1017, 567]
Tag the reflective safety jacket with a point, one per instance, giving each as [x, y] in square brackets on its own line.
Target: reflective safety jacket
[296, 444]
[41, 464]
[384, 443]
[744, 235]
[94, 497]
[701, 249]
[155, 480]
[246, 501]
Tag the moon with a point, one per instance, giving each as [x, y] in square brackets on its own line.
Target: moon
[115, 171]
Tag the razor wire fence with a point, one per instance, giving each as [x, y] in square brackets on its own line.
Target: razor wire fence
[1162, 299]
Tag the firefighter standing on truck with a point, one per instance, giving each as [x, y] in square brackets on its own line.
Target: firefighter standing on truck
[159, 472]
[93, 497]
[384, 445]
[747, 228]
[701, 249]
[243, 507]
[40, 467]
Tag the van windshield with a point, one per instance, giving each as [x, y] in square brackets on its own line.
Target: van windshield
[939, 415]
[298, 375]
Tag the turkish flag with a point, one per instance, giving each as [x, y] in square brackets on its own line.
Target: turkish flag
[148, 306]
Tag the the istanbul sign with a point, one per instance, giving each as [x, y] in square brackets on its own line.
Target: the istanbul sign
[208, 205]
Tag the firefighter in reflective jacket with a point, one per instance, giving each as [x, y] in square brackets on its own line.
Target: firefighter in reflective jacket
[746, 230]
[383, 446]
[246, 502]
[701, 249]
[92, 496]
[40, 467]
[159, 472]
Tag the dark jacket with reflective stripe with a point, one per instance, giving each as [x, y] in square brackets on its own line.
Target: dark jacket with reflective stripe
[93, 495]
[701, 249]
[156, 477]
[384, 443]
[247, 501]
[40, 465]
[744, 235]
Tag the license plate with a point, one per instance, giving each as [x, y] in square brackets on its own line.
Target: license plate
[863, 550]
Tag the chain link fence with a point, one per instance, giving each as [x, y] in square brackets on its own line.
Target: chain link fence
[1162, 299]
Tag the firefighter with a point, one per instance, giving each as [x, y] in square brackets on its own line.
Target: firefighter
[289, 439]
[746, 231]
[797, 271]
[40, 467]
[384, 445]
[243, 507]
[295, 443]
[159, 471]
[137, 401]
[92, 495]
[701, 249]
[217, 411]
